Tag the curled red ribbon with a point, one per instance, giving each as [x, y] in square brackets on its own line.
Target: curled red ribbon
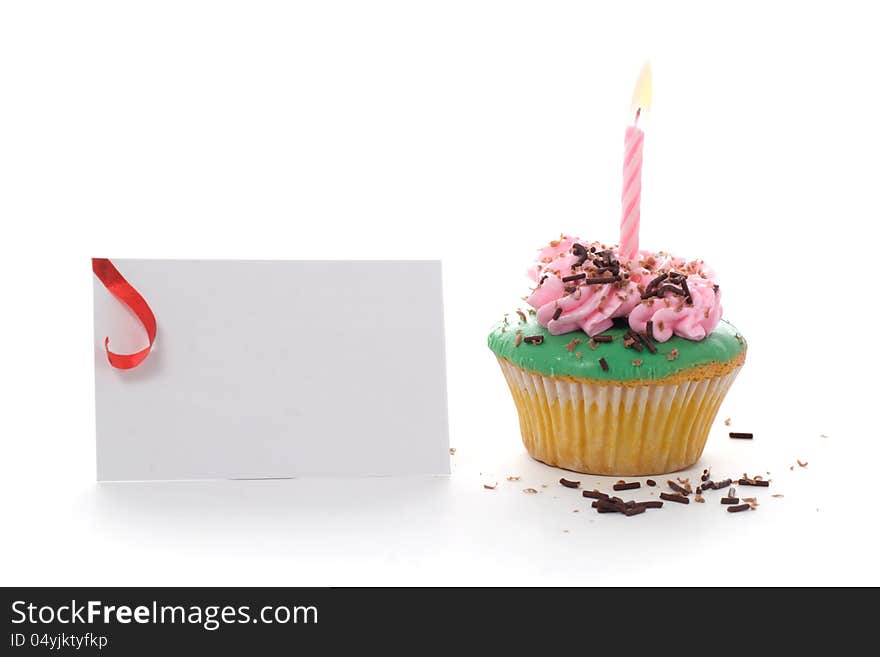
[122, 290]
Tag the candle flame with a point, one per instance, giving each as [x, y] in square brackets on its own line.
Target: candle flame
[641, 101]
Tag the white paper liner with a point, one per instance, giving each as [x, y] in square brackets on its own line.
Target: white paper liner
[615, 429]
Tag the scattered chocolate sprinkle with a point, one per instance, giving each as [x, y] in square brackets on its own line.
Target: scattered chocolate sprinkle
[679, 489]
[574, 343]
[634, 510]
[731, 492]
[568, 483]
[593, 344]
[648, 342]
[649, 290]
[727, 422]
[543, 278]
[649, 329]
[803, 464]
[519, 338]
[602, 338]
[603, 364]
[704, 476]
[522, 315]
[752, 501]
[534, 339]
[674, 497]
[601, 280]
[631, 340]
[753, 482]
[623, 485]
[724, 483]
[651, 483]
[573, 277]
[742, 435]
[490, 486]
[570, 289]
[687, 292]
[530, 491]
[595, 494]
[512, 477]
[730, 500]
[651, 504]
[557, 313]
[739, 507]
[699, 498]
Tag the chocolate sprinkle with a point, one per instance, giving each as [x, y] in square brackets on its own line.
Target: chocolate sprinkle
[679, 489]
[534, 339]
[730, 500]
[634, 510]
[738, 434]
[600, 280]
[674, 497]
[603, 364]
[724, 483]
[573, 277]
[649, 331]
[653, 284]
[602, 338]
[595, 494]
[568, 483]
[557, 313]
[753, 482]
[647, 341]
[632, 485]
[738, 508]
[651, 482]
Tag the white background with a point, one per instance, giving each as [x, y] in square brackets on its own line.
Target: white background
[473, 132]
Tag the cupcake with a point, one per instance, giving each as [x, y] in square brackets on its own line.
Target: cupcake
[619, 367]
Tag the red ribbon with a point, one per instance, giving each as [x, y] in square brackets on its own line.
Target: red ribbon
[122, 290]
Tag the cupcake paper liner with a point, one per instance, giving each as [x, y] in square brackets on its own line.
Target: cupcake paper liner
[614, 429]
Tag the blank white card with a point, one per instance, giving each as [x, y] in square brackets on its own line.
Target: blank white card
[267, 369]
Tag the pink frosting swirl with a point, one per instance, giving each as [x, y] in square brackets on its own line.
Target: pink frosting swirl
[694, 317]
[566, 306]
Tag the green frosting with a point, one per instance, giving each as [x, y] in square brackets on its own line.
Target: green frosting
[552, 357]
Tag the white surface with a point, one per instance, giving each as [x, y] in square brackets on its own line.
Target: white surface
[472, 132]
[274, 369]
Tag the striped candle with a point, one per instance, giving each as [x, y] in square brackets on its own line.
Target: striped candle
[632, 193]
[631, 197]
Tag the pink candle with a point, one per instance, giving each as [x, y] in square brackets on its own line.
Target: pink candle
[632, 193]
[631, 197]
